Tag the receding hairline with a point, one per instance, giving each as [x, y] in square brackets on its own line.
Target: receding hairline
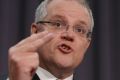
[44, 12]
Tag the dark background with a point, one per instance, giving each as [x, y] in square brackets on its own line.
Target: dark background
[102, 61]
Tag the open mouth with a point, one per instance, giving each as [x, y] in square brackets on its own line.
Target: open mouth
[64, 48]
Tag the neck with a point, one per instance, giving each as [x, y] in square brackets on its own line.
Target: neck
[57, 71]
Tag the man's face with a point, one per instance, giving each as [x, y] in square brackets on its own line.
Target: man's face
[66, 49]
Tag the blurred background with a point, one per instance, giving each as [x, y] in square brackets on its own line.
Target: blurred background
[102, 60]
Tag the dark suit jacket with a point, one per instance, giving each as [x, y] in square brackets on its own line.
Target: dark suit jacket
[35, 77]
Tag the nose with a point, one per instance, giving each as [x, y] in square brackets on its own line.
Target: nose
[67, 36]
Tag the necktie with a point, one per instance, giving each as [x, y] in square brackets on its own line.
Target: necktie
[59, 79]
[35, 77]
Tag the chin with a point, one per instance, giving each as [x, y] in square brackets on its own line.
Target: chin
[64, 63]
[62, 60]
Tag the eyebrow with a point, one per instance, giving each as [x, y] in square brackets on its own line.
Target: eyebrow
[62, 17]
[82, 22]
[58, 16]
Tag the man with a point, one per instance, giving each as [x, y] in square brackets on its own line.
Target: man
[59, 39]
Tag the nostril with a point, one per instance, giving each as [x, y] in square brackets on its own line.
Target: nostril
[67, 38]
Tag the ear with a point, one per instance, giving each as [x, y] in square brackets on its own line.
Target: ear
[34, 28]
[89, 42]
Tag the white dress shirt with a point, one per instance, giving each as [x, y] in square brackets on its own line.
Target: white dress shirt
[45, 75]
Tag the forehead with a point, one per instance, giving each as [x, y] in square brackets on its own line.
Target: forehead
[69, 9]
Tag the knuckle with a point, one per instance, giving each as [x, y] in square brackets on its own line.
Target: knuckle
[11, 49]
[14, 56]
[15, 59]
[11, 52]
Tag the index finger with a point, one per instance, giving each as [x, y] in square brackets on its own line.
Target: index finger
[32, 38]
[33, 46]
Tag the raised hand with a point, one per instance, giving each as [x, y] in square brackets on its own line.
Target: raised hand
[23, 57]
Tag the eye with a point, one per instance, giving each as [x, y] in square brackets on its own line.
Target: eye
[80, 30]
[56, 24]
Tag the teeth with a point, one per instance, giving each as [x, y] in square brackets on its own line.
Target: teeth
[65, 47]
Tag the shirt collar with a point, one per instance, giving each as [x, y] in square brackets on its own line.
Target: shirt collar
[45, 75]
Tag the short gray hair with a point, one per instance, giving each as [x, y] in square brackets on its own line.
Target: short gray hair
[41, 11]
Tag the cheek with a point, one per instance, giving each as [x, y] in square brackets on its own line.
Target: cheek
[49, 47]
[45, 50]
[82, 45]
[80, 50]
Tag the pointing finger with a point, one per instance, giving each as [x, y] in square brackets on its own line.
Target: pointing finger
[32, 38]
[33, 46]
